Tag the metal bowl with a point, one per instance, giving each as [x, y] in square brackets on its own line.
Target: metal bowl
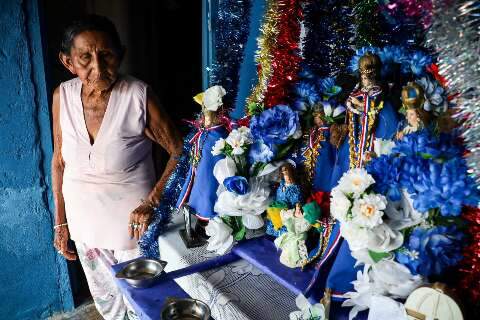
[142, 273]
[185, 309]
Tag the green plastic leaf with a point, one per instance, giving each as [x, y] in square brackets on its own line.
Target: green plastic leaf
[284, 148]
[377, 256]
[240, 234]
[258, 167]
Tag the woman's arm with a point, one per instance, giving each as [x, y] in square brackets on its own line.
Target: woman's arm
[161, 130]
[61, 229]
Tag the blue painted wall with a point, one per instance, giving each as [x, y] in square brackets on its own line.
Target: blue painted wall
[33, 278]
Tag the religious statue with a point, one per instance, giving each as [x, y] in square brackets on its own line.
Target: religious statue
[199, 192]
[412, 104]
[370, 115]
[288, 196]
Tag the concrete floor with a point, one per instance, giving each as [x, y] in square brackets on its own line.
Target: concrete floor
[86, 311]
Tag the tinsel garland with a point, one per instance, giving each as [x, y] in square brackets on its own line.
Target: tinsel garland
[266, 41]
[391, 22]
[286, 55]
[328, 43]
[230, 34]
[368, 24]
[469, 284]
[420, 11]
[148, 243]
[454, 36]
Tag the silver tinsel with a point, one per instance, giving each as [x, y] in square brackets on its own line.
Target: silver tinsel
[455, 35]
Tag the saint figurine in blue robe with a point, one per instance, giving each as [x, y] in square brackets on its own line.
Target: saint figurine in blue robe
[200, 189]
[370, 115]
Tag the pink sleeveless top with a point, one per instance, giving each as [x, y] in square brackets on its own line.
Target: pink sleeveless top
[104, 182]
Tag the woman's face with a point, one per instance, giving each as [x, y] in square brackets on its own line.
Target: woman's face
[93, 59]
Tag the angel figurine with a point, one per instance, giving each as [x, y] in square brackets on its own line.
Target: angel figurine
[199, 193]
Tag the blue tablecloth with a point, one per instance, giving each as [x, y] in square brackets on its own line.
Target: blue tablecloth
[259, 252]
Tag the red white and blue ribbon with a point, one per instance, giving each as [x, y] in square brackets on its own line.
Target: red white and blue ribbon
[367, 104]
[311, 138]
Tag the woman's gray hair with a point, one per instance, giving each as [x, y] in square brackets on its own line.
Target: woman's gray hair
[91, 22]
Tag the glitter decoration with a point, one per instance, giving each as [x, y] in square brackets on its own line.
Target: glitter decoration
[454, 36]
[231, 34]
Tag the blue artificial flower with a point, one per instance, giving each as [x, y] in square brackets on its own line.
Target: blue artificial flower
[418, 63]
[308, 92]
[420, 143]
[435, 95]
[306, 73]
[411, 172]
[300, 105]
[445, 185]
[391, 55]
[275, 125]
[386, 170]
[358, 54]
[236, 184]
[429, 251]
[328, 88]
[260, 152]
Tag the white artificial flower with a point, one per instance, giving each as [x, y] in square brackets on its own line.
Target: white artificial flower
[224, 168]
[355, 181]
[383, 239]
[218, 147]
[357, 237]
[237, 140]
[383, 146]
[246, 134]
[212, 97]
[249, 206]
[365, 290]
[339, 205]
[386, 308]
[368, 210]
[338, 111]
[221, 239]
[362, 256]
[330, 112]
[402, 214]
[395, 279]
[307, 310]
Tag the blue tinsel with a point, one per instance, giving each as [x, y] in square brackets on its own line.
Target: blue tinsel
[328, 43]
[163, 214]
[231, 34]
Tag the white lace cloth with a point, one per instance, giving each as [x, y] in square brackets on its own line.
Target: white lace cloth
[236, 291]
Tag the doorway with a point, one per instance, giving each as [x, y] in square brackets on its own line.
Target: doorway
[164, 49]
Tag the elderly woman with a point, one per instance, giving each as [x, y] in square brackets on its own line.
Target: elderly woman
[102, 168]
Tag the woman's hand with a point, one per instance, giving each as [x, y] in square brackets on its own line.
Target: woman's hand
[139, 220]
[61, 243]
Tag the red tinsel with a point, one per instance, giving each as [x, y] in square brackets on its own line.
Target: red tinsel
[286, 54]
[469, 284]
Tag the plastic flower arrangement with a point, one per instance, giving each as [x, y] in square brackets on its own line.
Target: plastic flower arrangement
[415, 63]
[313, 92]
[403, 210]
[429, 251]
